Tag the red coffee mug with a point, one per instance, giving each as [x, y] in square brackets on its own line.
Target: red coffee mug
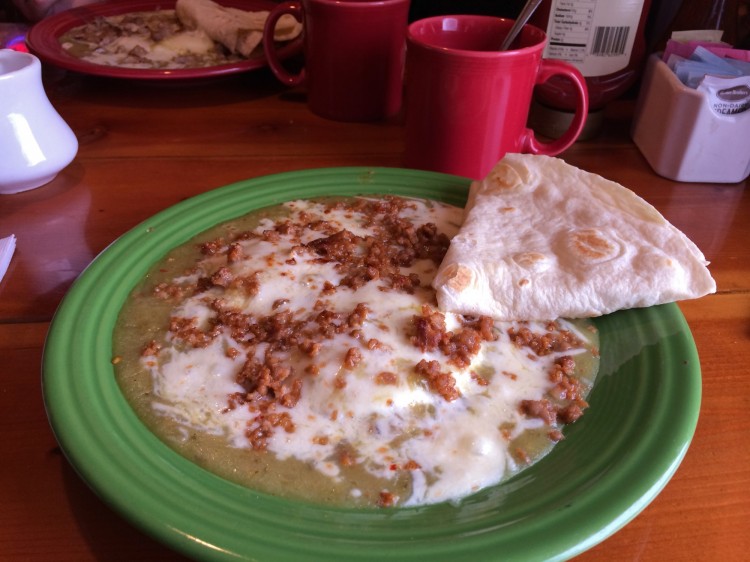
[354, 55]
[467, 102]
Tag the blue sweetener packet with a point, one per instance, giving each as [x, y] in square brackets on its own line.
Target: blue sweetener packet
[721, 64]
[691, 72]
[741, 65]
[702, 62]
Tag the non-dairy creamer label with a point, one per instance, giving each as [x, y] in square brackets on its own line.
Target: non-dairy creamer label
[727, 96]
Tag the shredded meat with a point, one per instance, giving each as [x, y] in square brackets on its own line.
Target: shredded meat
[222, 278]
[429, 329]
[571, 412]
[186, 329]
[264, 425]
[564, 403]
[552, 341]
[567, 387]
[212, 247]
[338, 247]
[386, 377]
[442, 383]
[358, 315]
[235, 253]
[542, 409]
[353, 357]
[460, 346]
[268, 380]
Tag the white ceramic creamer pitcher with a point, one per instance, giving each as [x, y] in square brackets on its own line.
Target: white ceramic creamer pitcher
[35, 142]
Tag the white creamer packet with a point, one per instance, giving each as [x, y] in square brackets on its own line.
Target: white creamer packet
[727, 96]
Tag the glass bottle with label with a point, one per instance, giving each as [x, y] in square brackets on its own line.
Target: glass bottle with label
[604, 39]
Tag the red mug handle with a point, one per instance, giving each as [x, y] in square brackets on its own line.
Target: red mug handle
[547, 69]
[269, 46]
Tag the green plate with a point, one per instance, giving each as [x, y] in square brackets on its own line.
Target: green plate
[613, 462]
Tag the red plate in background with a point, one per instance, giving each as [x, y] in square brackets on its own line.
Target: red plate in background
[43, 41]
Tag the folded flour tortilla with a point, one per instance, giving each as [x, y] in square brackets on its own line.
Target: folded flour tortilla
[239, 31]
[542, 239]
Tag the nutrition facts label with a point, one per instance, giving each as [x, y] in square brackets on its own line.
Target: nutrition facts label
[595, 36]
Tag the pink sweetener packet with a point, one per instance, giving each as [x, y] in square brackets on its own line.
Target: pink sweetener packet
[731, 53]
[685, 49]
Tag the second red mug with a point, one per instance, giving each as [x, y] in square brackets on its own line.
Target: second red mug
[354, 56]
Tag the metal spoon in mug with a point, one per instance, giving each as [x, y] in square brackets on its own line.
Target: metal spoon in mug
[523, 17]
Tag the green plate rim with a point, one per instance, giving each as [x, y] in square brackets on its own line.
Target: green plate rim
[643, 414]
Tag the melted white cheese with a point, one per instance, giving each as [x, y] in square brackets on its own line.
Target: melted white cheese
[458, 445]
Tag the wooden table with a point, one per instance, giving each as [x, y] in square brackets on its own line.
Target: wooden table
[145, 147]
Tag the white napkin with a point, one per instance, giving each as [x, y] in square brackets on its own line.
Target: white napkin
[7, 245]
